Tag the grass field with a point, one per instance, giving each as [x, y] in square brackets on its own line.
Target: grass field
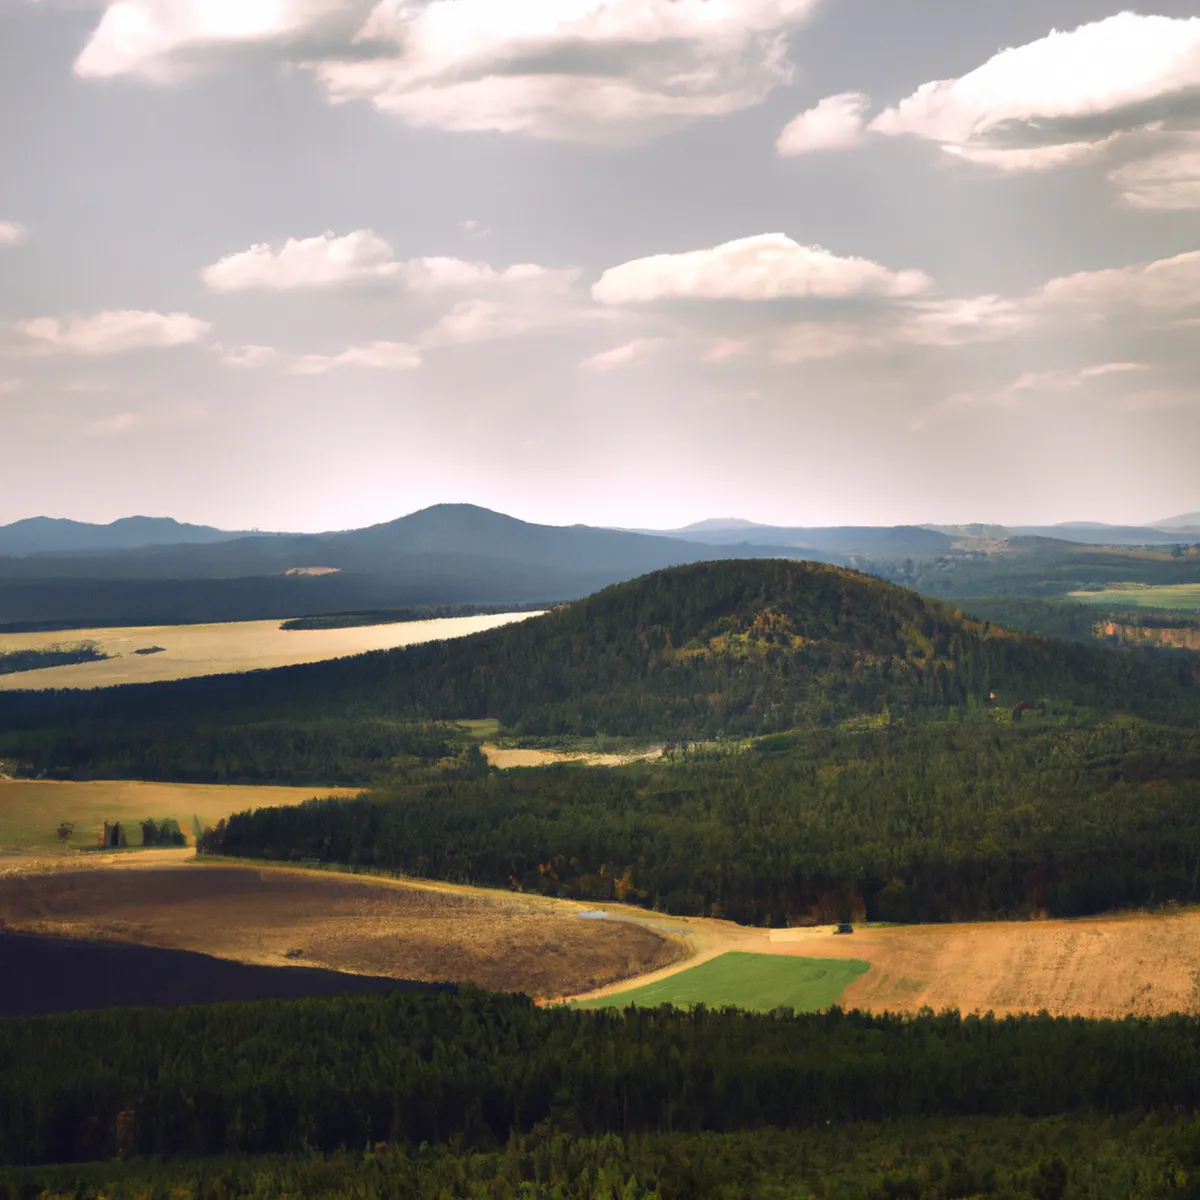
[32, 809]
[186, 651]
[1184, 597]
[759, 982]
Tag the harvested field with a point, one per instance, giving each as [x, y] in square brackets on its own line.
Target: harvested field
[187, 651]
[506, 757]
[277, 916]
[31, 810]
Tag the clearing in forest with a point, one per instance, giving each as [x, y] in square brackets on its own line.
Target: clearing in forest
[1179, 596]
[31, 810]
[758, 982]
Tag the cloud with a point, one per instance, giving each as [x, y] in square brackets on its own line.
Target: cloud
[836, 122]
[1167, 179]
[1157, 291]
[115, 332]
[8, 386]
[724, 349]
[622, 356]
[382, 356]
[362, 256]
[769, 266]
[474, 229]
[1068, 381]
[1113, 85]
[115, 423]
[247, 357]
[12, 233]
[162, 41]
[566, 69]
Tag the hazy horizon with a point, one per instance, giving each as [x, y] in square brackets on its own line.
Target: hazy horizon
[315, 264]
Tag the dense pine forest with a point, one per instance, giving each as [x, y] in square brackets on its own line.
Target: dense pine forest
[517, 1096]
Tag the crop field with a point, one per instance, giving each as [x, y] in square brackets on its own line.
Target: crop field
[31, 810]
[759, 982]
[150, 653]
[391, 928]
[1184, 597]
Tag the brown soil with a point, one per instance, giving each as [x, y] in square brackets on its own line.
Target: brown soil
[375, 927]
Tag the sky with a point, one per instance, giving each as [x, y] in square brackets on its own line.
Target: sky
[313, 264]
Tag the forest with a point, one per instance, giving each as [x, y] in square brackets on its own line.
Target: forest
[957, 820]
[696, 652]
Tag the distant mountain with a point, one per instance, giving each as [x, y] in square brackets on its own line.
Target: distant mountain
[447, 554]
[1185, 521]
[839, 542]
[1095, 533]
[55, 535]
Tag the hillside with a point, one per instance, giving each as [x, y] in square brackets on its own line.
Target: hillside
[695, 652]
[57, 535]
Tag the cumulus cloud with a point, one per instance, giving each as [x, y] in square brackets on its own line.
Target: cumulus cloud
[769, 266]
[381, 356]
[1158, 292]
[474, 229]
[162, 41]
[115, 332]
[114, 423]
[1108, 86]
[567, 69]
[12, 233]
[363, 256]
[631, 352]
[836, 122]
[8, 386]
[1069, 381]
[1167, 178]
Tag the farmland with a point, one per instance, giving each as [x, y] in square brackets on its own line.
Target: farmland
[155, 653]
[756, 982]
[397, 929]
[1183, 597]
[32, 810]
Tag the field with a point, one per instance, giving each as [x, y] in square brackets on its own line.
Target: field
[31, 810]
[1184, 597]
[759, 982]
[187, 651]
[279, 917]
[505, 757]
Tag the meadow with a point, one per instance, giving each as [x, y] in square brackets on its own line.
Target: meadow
[189, 651]
[1181, 597]
[31, 810]
[755, 982]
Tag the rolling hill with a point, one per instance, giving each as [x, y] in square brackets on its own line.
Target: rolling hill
[56, 535]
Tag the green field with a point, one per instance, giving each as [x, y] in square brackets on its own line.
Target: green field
[758, 982]
[1179, 596]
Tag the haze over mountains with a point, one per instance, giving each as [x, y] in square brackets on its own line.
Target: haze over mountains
[143, 570]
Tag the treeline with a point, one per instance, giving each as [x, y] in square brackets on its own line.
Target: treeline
[13, 662]
[333, 752]
[1012, 1158]
[955, 821]
[1070, 619]
[734, 648]
[473, 1069]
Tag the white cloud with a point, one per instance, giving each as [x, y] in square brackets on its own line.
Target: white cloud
[836, 122]
[159, 40]
[305, 263]
[769, 266]
[8, 386]
[362, 256]
[382, 356]
[1166, 288]
[724, 349]
[12, 233]
[1072, 96]
[475, 229]
[635, 351]
[1068, 381]
[115, 332]
[569, 69]
[247, 357]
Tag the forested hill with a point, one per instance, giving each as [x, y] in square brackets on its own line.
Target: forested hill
[729, 647]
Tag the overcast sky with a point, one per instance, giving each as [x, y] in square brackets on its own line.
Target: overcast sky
[311, 264]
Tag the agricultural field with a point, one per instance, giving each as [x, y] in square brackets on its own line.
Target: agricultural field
[1182, 597]
[758, 982]
[152, 653]
[31, 810]
[366, 926]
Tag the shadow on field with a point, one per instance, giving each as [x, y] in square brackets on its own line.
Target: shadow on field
[52, 975]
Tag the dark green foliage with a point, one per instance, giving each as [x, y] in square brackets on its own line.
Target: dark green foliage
[162, 833]
[960, 820]
[1013, 1158]
[13, 662]
[286, 1076]
[1070, 619]
[700, 651]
